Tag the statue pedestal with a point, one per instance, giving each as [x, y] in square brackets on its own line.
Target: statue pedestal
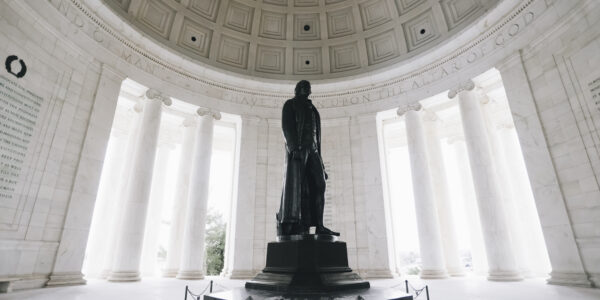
[308, 267]
[307, 264]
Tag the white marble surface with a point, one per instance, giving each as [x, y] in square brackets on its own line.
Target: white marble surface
[66, 44]
[192, 250]
[180, 199]
[444, 206]
[126, 265]
[428, 225]
[472, 288]
[238, 263]
[500, 256]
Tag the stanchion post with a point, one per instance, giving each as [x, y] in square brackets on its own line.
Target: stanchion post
[186, 291]
[427, 291]
[406, 284]
[211, 285]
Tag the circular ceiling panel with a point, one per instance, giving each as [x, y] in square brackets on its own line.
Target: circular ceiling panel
[291, 39]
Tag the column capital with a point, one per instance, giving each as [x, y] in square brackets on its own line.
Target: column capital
[468, 85]
[416, 106]
[206, 112]
[153, 94]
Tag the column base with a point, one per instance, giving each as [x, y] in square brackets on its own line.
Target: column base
[120, 276]
[433, 274]
[63, 279]
[570, 279]
[190, 275]
[240, 274]
[504, 276]
[170, 273]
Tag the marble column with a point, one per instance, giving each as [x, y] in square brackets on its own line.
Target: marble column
[506, 178]
[430, 241]
[192, 254]
[443, 201]
[124, 175]
[158, 194]
[180, 200]
[467, 194]
[71, 249]
[532, 239]
[240, 254]
[565, 258]
[501, 260]
[126, 265]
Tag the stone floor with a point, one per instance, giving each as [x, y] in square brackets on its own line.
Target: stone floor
[465, 288]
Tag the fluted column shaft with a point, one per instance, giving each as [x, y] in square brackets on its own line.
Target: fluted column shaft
[467, 194]
[121, 193]
[501, 260]
[430, 242]
[180, 201]
[192, 255]
[443, 201]
[239, 257]
[129, 246]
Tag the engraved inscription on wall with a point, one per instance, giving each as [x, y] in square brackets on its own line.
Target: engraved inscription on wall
[594, 88]
[19, 110]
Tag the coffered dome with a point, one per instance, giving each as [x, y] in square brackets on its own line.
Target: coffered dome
[291, 39]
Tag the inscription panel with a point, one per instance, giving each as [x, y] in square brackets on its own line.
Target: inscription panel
[19, 111]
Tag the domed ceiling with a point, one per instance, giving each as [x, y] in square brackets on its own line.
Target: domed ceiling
[291, 39]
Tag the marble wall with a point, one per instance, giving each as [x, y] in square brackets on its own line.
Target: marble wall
[552, 88]
[77, 53]
[45, 221]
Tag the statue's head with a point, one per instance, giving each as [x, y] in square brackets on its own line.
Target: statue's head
[302, 89]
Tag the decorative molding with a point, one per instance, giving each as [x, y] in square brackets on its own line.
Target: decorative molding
[270, 59]
[152, 94]
[468, 85]
[207, 112]
[420, 30]
[497, 37]
[272, 25]
[344, 57]
[382, 47]
[307, 27]
[340, 23]
[374, 13]
[416, 106]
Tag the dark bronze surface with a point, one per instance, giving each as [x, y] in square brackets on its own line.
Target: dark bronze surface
[303, 195]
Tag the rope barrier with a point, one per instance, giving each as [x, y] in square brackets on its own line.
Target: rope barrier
[415, 290]
[208, 287]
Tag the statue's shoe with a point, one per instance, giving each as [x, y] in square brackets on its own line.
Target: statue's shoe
[325, 230]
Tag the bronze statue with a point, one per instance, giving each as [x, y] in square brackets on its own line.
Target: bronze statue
[303, 196]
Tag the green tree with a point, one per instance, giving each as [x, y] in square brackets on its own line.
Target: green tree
[215, 242]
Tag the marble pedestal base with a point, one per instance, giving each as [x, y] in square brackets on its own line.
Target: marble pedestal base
[124, 276]
[366, 294]
[190, 275]
[505, 276]
[63, 279]
[307, 264]
[433, 274]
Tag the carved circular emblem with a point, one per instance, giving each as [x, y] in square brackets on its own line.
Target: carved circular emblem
[8, 65]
